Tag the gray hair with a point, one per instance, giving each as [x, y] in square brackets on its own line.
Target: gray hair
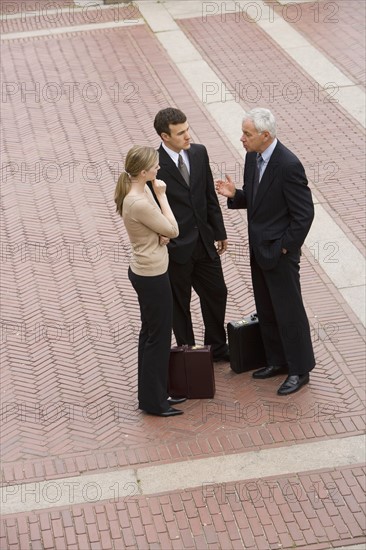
[263, 120]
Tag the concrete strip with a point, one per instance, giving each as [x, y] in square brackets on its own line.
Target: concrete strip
[339, 258]
[179, 47]
[178, 476]
[203, 80]
[255, 464]
[68, 491]
[78, 28]
[352, 100]
[88, 2]
[191, 8]
[158, 18]
[355, 296]
[229, 119]
[306, 55]
[243, 9]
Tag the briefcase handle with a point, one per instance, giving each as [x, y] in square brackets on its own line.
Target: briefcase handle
[185, 347]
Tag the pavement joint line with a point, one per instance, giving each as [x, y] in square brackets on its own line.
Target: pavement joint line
[177, 476]
[72, 29]
[347, 268]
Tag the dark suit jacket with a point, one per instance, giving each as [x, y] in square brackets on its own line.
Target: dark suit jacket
[283, 209]
[196, 207]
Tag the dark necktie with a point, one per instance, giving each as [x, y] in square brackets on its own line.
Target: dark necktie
[183, 169]
[257, 174]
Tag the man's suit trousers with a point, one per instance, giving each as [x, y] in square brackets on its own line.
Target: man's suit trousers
[281, 313]
[206, 277]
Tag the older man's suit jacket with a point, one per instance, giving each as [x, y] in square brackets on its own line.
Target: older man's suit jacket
[282, 212]
[196, 207]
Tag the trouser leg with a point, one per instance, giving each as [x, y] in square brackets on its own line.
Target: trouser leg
[292, 321]
[274, 351]
[208, 281]
[181, 283]
[155, 301]
[284, 324]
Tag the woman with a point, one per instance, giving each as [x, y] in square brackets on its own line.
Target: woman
[149, 229]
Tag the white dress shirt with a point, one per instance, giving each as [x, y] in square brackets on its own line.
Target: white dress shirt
[266, 155]
[174, 156]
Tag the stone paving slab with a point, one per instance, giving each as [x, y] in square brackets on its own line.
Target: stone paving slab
[313, 511]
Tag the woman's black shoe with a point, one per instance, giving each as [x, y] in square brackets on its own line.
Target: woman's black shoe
[176, 400]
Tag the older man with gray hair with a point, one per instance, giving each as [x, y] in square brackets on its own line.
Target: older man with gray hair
[280, 212]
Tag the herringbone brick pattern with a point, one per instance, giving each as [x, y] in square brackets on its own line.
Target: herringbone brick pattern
[72, 107]
[70, 317]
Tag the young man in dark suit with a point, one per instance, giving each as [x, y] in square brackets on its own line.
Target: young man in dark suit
[194, 260]
[280, 212]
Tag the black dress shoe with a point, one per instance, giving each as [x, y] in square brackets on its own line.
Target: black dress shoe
[224, 357]
[170, 412]
[176, 400]
[268, 372]
[293, 383]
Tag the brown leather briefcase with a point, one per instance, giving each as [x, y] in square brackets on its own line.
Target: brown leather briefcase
[191, 372]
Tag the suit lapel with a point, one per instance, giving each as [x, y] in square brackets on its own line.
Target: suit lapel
[168, 164]
[250, 175]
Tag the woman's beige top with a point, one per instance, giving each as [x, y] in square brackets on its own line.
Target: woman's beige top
[144, 223]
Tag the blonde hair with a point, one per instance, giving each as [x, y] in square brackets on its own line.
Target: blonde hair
[138, 158]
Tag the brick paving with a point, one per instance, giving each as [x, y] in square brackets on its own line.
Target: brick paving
[70, 319]
[316, 510]
[12, 7]
[336, 29]
[52, 15]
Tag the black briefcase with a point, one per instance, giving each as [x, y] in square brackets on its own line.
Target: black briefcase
[246, 345]
[191, 372]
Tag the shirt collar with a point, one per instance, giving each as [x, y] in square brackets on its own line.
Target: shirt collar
[266, 155]
[174, 156]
